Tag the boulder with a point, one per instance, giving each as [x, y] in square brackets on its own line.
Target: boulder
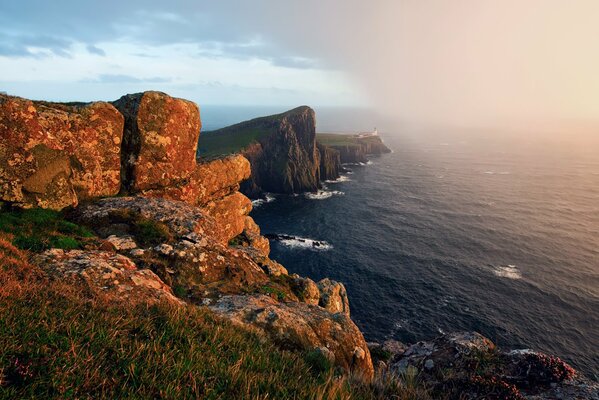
[209, 181]
[105, 272]
[159, 141]
[115, 214]
[299, 326]
[333, 296]
[305, 289]
[230, 214]
[257, 241]
[52, 155]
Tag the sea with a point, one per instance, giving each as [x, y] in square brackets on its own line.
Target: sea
[455, 230]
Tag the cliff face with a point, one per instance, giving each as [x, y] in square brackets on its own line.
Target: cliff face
[53, 155]
[281, 149]
[330, 162]
[178, 224]
[353, 148]
[286, 161]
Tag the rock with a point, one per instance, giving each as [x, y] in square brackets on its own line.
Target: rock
[305, 289]
[203, 269]
[122, 242]
[159, 141]
[299, 326]
[355, 149]
[283, 156]
[330, 162]
[333, 296]
[209, 181]
[230, 212]
[52, 155]
[468, 365]
[181, 218]
[429, 364]
[108, 273]
[257, 241]
[273, 268]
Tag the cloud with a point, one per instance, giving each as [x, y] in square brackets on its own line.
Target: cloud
[118, 78]
[95, 50]
[23, 45]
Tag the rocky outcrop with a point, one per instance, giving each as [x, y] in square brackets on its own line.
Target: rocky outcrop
[53, 155]
[159, 160]
[281, 149]
[353, 148]
[181, 245]
[301, 326]
[467, 365]
[159, 141]
[111, 274]
[330, 162]
[333, 296]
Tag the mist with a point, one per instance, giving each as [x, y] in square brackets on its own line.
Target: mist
[511, 63]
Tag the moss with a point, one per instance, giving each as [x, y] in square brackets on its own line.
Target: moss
[273, 292]
[149, 233]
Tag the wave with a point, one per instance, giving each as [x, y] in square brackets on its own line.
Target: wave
[508, 271]
[323, 194]
[296, 242]
[268, 198]
[342, 178]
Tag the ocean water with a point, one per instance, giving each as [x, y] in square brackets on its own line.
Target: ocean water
[459, 231]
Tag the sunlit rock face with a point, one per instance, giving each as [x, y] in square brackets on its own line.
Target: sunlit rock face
[52, 155]
[159, 141]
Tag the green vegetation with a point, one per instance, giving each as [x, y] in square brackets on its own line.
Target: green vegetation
[58, 342]
[38, 229]
[273, 292]
[337, 139]
[235, 138]
[342, 139]
[219, 143]
[147, 232]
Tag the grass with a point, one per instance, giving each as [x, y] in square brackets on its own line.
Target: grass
[337, 139]
[58, 342]
[38, 229]
[235, 138]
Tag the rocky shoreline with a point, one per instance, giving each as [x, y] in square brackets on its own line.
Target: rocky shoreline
[166, 228]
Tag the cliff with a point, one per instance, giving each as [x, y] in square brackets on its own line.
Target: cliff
[167, 290]
[353, 148]
[281, 149]
[330, 162]
[179, 231]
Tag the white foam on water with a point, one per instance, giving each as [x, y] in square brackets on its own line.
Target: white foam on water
[508, 271]
[268, 198]
[323, 194]
[342, 178]
[305, 243]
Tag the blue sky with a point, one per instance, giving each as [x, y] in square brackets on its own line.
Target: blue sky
[228, 52]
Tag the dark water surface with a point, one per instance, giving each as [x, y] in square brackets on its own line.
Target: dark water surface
[457, 232]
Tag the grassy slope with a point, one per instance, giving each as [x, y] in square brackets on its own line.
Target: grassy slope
[340, 139]
[235, 138]
[59, 342]
[337, 139]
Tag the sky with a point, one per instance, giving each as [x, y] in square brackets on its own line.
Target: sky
[442, 61]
